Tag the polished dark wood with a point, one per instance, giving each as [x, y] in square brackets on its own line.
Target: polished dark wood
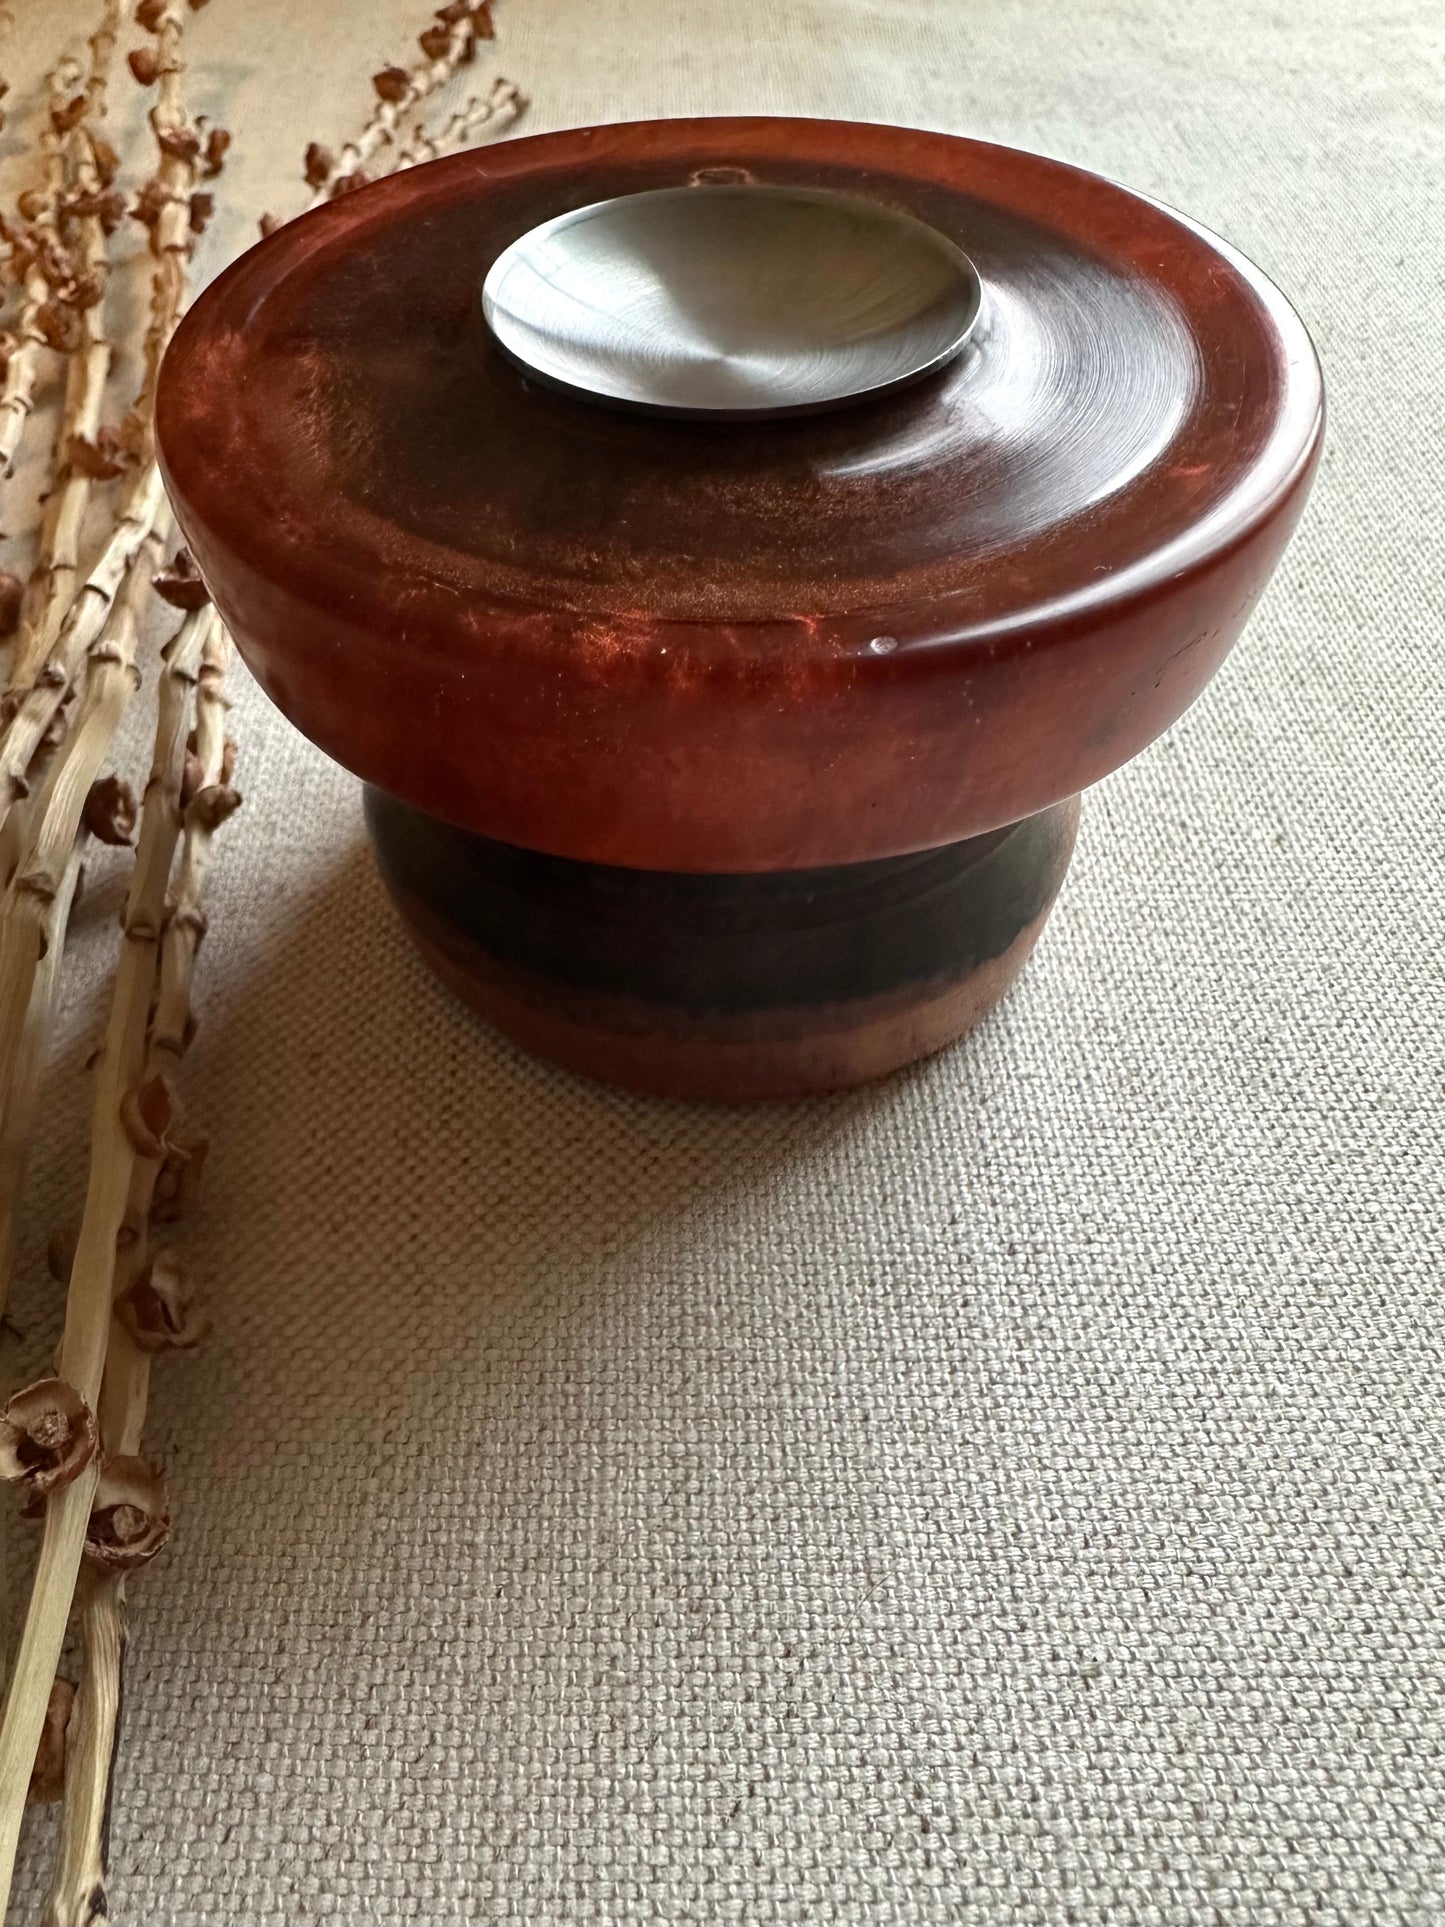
[693, 984]
[728, 650]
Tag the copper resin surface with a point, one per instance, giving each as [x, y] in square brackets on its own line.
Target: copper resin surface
[749, 647]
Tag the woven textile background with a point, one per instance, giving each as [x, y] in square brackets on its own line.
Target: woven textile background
[1007, 1497]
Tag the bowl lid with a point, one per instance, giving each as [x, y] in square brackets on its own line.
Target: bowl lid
[338, 425]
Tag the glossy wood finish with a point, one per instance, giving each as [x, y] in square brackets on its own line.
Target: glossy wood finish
[736, 759]
[701, 648]
[747, 986]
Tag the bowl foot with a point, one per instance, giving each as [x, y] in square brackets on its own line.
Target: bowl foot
[733, 987]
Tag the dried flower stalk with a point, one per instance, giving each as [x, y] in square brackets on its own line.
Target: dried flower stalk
[17, 1119]
[127, 1301]
[165, 209]
[166, 204]
[80, 1875]
[503, 103]
[130, 1518]
[398, 90]
[92, 1278]
[27, 923]
[82, 628]
[53, 584]
[31, 341]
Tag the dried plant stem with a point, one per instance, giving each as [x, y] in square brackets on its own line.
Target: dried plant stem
[23, 371]
[78, 1892]
[18, 397]
[83, 624]
[66, 1518]
[503, 102]
[17, 1131]
[36, 703]
[87, 624]
[50, 752]
[92, 1278]
[422, 81]
[126, 1380]
[36, 906]
[77, 1896]
[17, 1126]
[170, 235]
[53, 584]
[26, 909]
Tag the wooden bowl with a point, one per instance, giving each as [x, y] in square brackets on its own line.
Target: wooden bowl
[737, 758]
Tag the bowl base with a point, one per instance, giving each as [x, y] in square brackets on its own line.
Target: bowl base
[736, 987]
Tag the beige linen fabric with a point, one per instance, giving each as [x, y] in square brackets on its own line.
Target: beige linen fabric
[1008, 1497]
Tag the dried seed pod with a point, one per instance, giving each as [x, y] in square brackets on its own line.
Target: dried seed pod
[392, 83]
[179, 1179]
[22, 253]
[454, 11]
[58, 327]
[110, 811]
[60, 1253]
[47, 1776]
[107, 161]
[319, 166]
[130, 1519]
[47, 1436]
[434, 42]
[193, 773]
[202, 207]
[209, 808]
[149, 1111]
[181, 143]
[180, 584]
[159, 1309]
[482, 22]
[32, 203]
[63, 119]
[149, 14]
[12, 595]
[217, 141]
[86, 291]
[53, 258]
[348, 183]
[107, 205]
[151, 203]
[144, 64]
[101, 459]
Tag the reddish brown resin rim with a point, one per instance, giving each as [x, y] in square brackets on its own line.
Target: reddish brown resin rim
[776, 738]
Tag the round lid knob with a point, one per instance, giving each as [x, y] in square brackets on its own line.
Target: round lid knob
[749, 644]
